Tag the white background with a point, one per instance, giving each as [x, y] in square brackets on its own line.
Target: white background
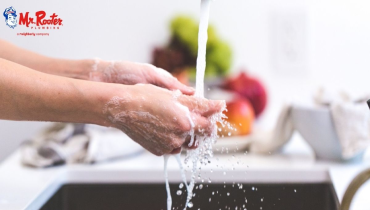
[335, 47]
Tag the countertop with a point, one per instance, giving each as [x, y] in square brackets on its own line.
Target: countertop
[27, 188]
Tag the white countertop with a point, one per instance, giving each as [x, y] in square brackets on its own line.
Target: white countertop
[27, 188]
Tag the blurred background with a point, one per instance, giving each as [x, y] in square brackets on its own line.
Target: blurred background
[290, 47]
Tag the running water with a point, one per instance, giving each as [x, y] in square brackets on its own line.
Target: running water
[204, 151]
[202, 47]
[178, 159]
[169, 197]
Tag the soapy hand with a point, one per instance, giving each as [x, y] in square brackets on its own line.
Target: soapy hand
[130, 73]
[160, 120]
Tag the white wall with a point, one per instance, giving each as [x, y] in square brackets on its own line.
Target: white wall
[337, 39]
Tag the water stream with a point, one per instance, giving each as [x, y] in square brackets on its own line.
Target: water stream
[204, 150]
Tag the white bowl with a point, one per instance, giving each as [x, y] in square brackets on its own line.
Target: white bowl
[315, 124]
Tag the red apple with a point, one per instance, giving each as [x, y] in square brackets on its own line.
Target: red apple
[249, 88]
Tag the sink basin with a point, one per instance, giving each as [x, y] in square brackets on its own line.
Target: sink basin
[131, 196]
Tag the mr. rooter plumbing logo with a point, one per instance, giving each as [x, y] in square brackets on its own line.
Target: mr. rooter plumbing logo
[39, 21]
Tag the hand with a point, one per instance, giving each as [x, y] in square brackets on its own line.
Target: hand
[129, 73]
[158, 119]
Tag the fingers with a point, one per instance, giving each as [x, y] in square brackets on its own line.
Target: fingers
[202, 125]
[202, 106]
[172, 83]
[214, 106]
[164, 79]
[177, 85]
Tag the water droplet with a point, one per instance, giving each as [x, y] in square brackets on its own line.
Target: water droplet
[181, 185]
[228, 194]
[179, 192]
[246, 201]
[261, 199]
[295, 190]
[210, 199]
[252, 188]
[200, 186]
[190, 204]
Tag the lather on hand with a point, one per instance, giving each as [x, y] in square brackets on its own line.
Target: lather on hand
[131, 73]
[159, 119]
[36, 87]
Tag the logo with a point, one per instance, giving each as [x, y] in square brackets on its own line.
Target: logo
[40, 20]
[10, 17]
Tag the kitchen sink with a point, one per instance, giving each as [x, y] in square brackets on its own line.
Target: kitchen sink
[289, 196]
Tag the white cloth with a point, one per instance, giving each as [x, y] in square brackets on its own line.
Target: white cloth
[77, 143]
[269, 142]
[351, 117]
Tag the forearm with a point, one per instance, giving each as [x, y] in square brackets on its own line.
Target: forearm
[79, 69]
[26, 94]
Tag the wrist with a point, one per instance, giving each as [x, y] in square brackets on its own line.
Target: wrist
[77, 69]
[102, 71]
[106, 100]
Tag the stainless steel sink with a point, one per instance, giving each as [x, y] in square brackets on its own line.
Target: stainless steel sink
[289, 196]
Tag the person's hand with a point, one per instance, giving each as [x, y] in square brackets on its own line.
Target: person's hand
[130, 73]
[158, 119]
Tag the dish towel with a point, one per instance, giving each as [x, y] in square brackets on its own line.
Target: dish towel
[268, 142]
[66, 143]
[351, 117]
